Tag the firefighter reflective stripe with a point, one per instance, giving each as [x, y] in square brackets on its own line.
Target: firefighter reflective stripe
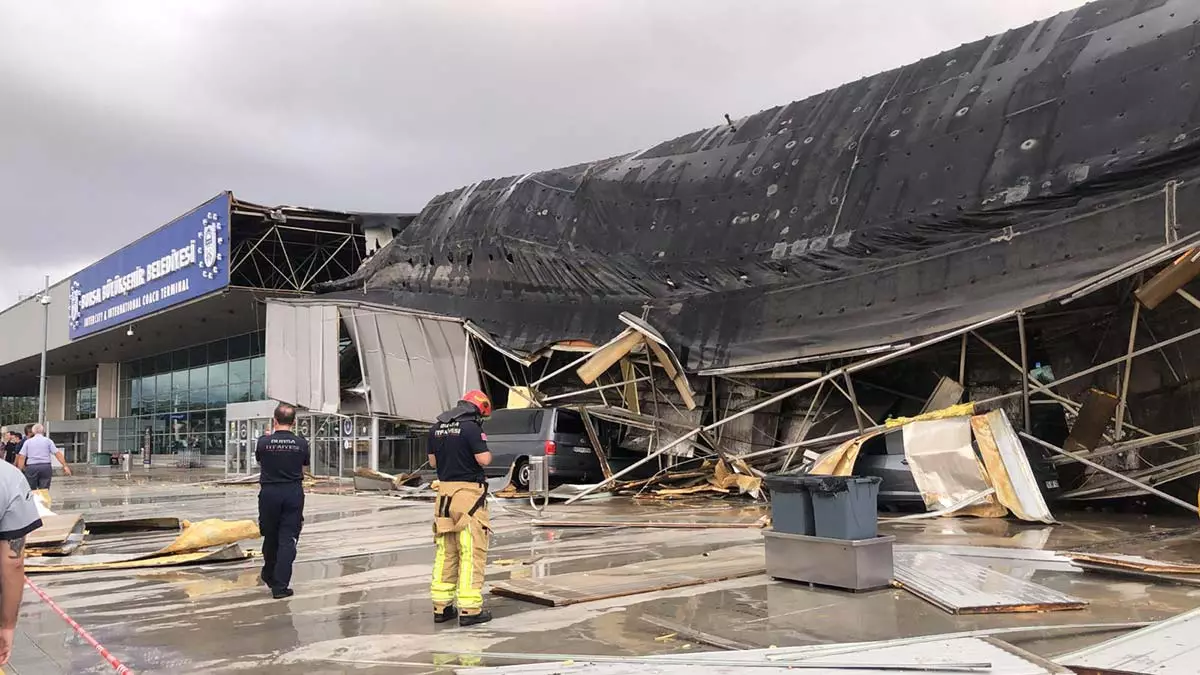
[445, 571]
[461, 526]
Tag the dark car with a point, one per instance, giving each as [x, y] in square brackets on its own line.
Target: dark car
[883, 456]
[558, 434]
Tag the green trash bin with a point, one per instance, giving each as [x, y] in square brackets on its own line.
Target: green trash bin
[102, 459]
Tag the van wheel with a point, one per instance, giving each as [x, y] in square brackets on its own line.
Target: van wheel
[520, 474]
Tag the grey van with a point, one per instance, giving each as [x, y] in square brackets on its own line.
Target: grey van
[513, 436]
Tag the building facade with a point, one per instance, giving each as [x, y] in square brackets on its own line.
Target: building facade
[158, 349]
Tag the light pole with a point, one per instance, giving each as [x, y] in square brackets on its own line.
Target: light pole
[45, 300]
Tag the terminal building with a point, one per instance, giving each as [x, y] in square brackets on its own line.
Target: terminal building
[159, 349]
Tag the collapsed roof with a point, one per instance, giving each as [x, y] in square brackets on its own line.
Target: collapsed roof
[991, 177]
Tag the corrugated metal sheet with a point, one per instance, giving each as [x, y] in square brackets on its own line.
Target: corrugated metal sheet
[962, 587]
[1168, 648]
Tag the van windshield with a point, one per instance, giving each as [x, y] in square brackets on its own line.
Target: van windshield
[513, 422]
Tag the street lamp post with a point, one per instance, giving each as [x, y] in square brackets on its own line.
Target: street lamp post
[45, 300]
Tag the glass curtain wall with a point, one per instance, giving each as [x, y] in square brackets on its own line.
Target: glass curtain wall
[18, 409]
[81, 396]
[181, 395]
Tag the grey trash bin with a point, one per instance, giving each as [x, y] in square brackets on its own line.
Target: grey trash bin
[791, 505]
[845, 507]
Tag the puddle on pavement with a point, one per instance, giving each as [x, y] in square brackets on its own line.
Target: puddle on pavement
[361, 589]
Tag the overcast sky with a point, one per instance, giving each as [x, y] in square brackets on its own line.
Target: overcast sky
[119, 115]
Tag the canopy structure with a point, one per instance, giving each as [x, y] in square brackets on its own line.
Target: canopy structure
[991, 177]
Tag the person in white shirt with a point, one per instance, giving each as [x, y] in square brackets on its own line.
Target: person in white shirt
[35, 459]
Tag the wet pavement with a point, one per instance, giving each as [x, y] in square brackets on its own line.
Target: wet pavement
[361, 587]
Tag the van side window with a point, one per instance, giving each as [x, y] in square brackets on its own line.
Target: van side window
[569, 423]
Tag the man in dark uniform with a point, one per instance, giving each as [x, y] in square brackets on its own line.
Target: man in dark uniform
[282, 456]
[458, 450]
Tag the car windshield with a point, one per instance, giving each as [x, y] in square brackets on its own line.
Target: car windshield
[513, 422]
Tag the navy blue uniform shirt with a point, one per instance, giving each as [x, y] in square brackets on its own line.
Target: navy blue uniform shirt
[282, 456]
[454, 443]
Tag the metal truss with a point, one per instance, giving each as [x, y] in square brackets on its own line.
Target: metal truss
[288, 257]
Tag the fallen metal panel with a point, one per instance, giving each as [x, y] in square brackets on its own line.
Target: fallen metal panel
[1008, 467]
[558, 590]
[302, 357]
[1166, 648]
[134, 524]
[961, 587]
[945, 468]
[877, 658]
[413, 366]
[88, 563]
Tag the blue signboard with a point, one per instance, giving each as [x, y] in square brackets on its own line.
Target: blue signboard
[180, 261]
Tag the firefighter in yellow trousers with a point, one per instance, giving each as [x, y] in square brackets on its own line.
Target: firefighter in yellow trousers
[458, 450]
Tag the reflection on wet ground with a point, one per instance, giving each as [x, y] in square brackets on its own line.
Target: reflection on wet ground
[361, 580]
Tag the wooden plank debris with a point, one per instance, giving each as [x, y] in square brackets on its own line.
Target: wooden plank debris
[559, 590]
[607, 357]
[961, 587]
[1097, 410]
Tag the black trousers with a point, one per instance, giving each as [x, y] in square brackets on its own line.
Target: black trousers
[39, 476]
[280, 517]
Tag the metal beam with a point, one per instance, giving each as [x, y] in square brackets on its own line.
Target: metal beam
[796, 390]
[1111, 472]
[1024, 372]
[1122, 401]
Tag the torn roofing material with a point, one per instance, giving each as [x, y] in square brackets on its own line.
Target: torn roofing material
[997, 175]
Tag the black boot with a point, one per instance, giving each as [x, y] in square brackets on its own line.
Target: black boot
[475, 619]
[281, 593]
[447, 614]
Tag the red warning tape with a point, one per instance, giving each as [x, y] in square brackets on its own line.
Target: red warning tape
[87, 637]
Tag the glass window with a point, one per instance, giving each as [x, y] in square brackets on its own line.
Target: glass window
[239, 372]
[162, 363]
[257, 391]
[179, 380]
[131, 370]
[198, 356]
[258, 368]
[162, 387]
[198, 379]
[508, 422]
[179, 360]
[239, 393]
[218, 351]
[258, 343]
[218, 374]
[568, 422]
[239, 347]
[218, 397]
[216, 422]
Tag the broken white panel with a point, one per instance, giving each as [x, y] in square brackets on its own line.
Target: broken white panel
[943, 462]
[302, 356]
[1166, 648]
[413, 366]
[1031, 504]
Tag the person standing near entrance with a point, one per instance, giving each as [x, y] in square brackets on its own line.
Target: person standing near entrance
[458, 450]
[12, 445]
[35, 456]
[282, 456]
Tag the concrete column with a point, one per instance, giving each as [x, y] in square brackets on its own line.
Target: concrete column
[56, 398]
[108, 391]
[374, 443]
